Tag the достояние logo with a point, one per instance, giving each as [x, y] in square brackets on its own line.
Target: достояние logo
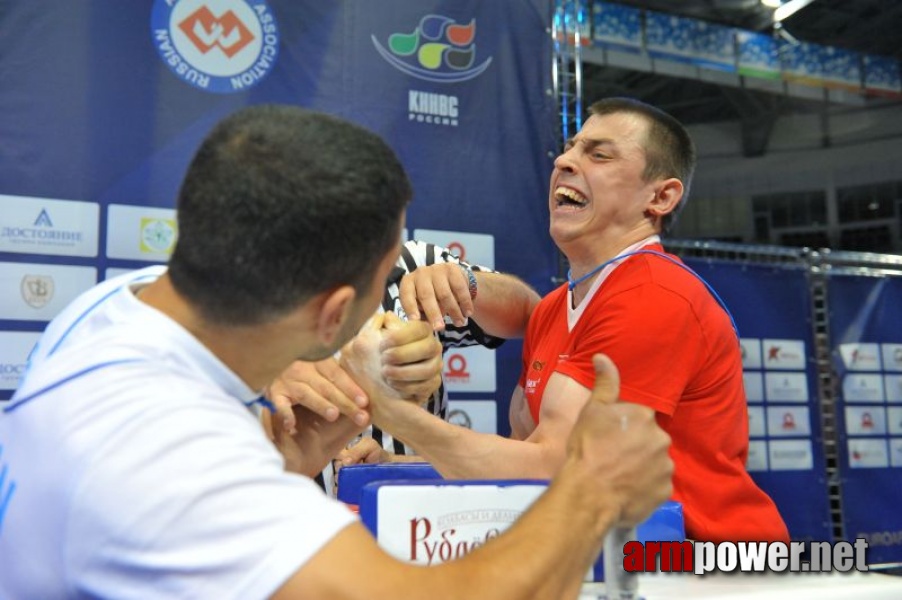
[438, 50]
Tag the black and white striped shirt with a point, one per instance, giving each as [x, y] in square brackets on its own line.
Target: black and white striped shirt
[416, 254]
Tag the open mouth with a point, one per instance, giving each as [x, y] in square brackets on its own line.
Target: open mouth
[568, 197]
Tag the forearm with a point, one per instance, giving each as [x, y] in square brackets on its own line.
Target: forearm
[543, 556]
[548, 550]
[460, 453]
[503, 304]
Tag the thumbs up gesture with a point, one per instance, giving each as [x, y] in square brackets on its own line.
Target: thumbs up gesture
[621, 450]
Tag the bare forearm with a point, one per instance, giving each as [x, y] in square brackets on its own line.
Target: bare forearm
[460, 453]
[543, 556]
[503, 304]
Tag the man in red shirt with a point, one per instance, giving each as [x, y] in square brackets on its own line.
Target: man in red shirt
[616, 187]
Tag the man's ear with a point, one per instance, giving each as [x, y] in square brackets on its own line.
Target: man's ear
[335, 309]
[667, 196]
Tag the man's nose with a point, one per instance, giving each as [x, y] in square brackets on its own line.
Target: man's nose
[565, 161]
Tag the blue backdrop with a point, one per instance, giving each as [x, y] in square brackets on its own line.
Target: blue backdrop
[772, 309]
[105, 101]
[866, 332]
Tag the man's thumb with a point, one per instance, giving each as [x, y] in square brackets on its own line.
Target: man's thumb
[392, 321]
[607, 380]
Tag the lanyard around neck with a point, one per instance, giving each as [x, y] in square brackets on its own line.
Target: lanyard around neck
[572, 283]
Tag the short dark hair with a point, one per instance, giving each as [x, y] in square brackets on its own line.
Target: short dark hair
[669, 150]
[279, 204]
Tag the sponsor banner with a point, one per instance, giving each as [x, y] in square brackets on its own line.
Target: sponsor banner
[754, 386]
[474, 248]
[751, 353]
[757, 460]
[862, 388]
[895, 448]
[788, 421]
[432, 524]
[784, 354]
[860, 357]
[757, 423]
[15, 346]
[786, 387]
[43, 226]
[892, 356]
[220, 46]
[140, 232]
[36, 292]
[470, 369]
[867, 454]
[893, 387]
[894, 420]
[790, 455]
[866, 333]
[478, 415]
[865, 420]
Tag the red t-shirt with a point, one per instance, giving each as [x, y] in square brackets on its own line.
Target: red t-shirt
[677, 353]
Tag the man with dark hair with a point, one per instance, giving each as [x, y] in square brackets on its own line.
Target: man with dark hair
[467, 305]
[133, 467]
[616, 187]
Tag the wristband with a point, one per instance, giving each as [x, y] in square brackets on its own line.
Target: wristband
[471, 279]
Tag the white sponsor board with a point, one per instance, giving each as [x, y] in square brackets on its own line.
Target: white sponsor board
[865, 420]
[470, 369]
[867, 454]
[860, 387]
[15, 346]
[754, 386]
[140, 233]
[786, 387]
[893, 387]
[432, 524]
[784, 354]
[757, 460]
[860, 357]
[37, 292]
[478, 415]
[790, 455]
[32, 225]
[788, 421]
[892, 357]
[757, 423]
[751, 353]
[474, 248]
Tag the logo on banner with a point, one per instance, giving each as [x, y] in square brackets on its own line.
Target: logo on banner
[37, 290]
[221, 46]
[438, 50]
[786, 354]
[42, 232]
[457, 369]
[43, 219]
[157, 235]
[460, 418]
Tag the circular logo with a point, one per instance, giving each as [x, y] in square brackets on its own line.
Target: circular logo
[221, 46]
[157, 235]
[37, 290]
[460, 418]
